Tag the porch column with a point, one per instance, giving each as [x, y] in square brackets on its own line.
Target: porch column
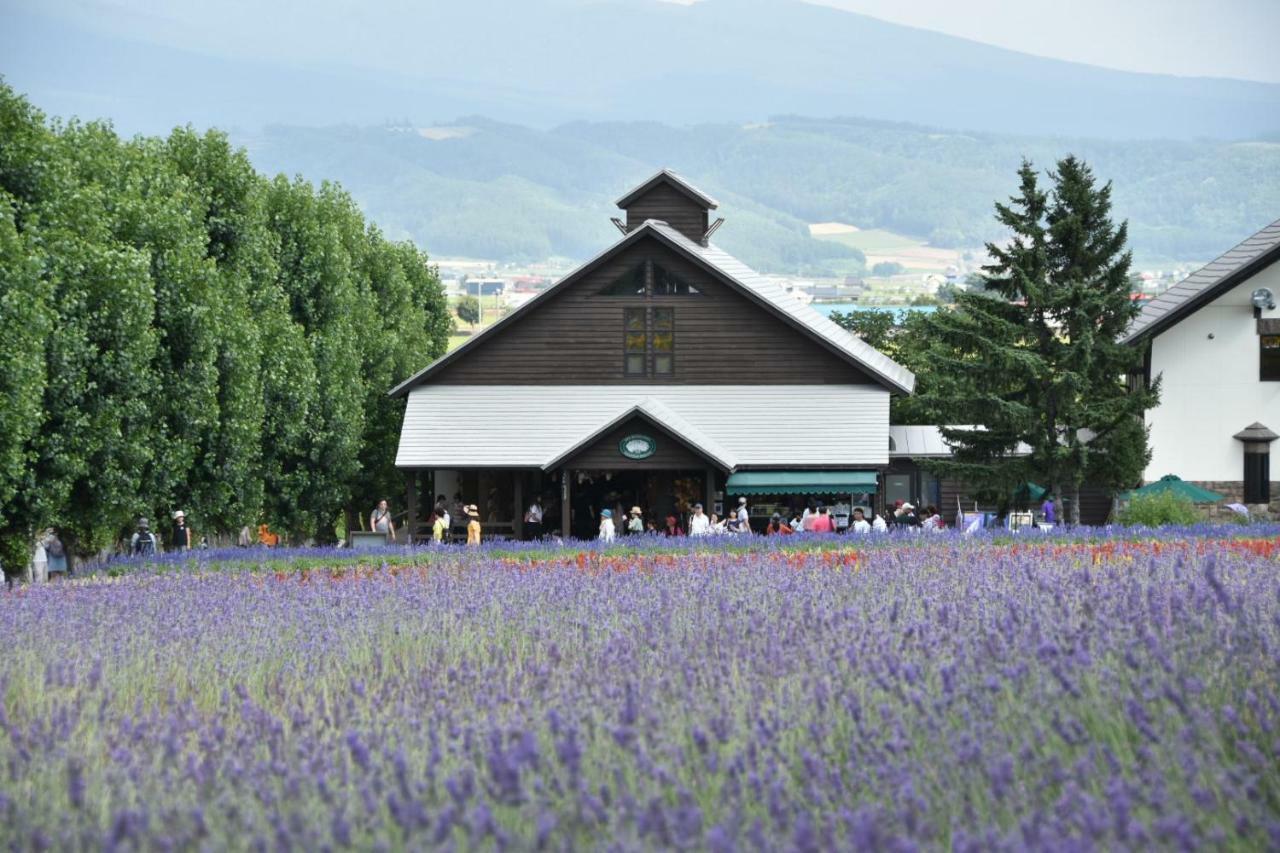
[564, 503]
[517, 521]
[411, 504]
[710, 490]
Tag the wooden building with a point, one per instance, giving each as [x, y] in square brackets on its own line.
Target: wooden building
[661, 373]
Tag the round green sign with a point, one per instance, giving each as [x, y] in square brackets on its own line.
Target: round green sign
[637, 446]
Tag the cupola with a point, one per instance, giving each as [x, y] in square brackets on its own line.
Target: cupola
[669, 198]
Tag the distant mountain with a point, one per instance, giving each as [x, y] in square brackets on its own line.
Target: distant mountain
[487, 189]
[547, 62]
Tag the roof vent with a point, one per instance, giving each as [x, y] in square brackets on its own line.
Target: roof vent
[668, 197]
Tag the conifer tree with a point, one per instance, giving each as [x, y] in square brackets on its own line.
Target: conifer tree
[1036, 358]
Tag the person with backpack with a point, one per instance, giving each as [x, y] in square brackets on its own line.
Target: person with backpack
[143, 543]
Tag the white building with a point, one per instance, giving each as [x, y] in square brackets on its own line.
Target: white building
[1214, 341]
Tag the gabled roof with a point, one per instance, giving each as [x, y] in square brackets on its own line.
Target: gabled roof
[1206, 284]
[666, 176]
[660, 414]
[729, 269]
[539, 426]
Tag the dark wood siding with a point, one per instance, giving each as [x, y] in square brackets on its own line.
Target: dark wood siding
[671, 206]
[670, 452]
[721, 337]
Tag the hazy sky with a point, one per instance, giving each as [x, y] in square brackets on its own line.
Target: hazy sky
[1214, 38]
[1218, 38]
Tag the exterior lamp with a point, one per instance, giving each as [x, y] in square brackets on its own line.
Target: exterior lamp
[1257, 462]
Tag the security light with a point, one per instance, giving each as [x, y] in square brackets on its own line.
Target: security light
[1263, 298]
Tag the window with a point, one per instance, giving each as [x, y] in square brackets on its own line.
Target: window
[666, 283]
[649, 279]
[633, 283]
[663, 336]
[634, 343]
[649, 341]
[1269, 358]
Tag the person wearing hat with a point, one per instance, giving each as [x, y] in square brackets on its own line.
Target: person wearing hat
[699, 524]
[143, 542]
[180, 539]
[473, 524]
[607, 531]
[744, 517]
[635, 521]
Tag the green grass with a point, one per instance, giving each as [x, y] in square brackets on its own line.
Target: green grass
[873, 240]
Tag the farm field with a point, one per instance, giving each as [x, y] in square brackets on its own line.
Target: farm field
[1088, 690]
[879, 245]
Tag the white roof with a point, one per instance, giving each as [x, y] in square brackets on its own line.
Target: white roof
[768, 293]
[742, 426]
[922, 441]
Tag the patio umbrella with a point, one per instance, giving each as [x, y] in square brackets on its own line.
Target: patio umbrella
[1030, 491]
[1176, 485]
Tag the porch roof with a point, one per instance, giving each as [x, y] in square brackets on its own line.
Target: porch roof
[538, 426]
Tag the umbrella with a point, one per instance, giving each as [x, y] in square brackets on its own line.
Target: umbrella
[1030, 491]
[1173, 483]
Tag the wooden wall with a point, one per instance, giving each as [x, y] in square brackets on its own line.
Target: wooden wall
[673, 207]
[670, 453]
[576, 337]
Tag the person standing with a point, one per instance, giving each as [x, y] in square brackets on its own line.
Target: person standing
[607, 531]
[533, 519]
[55, 554]
[743, 517]
[822, 523]
[439, 526]
[180, 538]
[1049, 510]
[878, 524]
[699, 524]
[143, 542]
[777, 527]
[473, 524]
[672, 527]
[635, 523]
[860, 525]
[442, 506]
[380, 521]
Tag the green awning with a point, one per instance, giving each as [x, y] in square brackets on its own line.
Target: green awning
[801, 482]
[1181, 488]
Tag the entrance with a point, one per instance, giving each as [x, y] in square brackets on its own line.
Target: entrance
[657, 493]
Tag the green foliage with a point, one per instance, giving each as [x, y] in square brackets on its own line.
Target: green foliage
[885, 269]
[468, 310]
[1035, 357]
[178, 331]
[1157, 510]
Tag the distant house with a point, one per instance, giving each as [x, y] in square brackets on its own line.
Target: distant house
[1213, 339]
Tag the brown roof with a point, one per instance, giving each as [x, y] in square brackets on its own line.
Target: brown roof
[1206, 284]
[666, 176]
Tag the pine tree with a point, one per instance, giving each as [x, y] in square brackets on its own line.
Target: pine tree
[1036, 358]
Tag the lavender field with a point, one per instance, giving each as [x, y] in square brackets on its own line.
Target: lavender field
[1087, 692]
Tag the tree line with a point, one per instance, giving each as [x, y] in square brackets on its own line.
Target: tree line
[1026, 372]
[179, 331]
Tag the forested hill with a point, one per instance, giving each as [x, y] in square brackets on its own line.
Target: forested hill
[486, 189]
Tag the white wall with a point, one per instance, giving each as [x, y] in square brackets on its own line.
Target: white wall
[1210, 388]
